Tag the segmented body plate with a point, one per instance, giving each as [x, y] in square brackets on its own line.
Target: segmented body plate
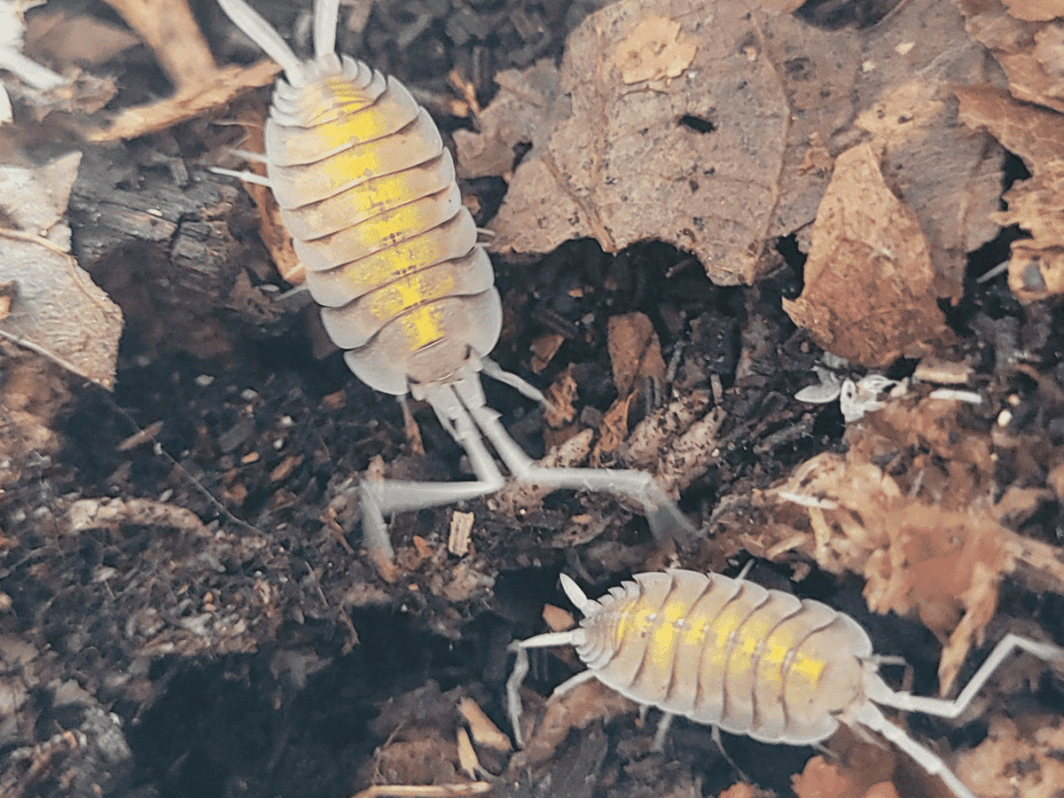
[368, 191]
[728, 652]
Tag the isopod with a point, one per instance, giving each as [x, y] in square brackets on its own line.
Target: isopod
[368, 192]
[747, 660]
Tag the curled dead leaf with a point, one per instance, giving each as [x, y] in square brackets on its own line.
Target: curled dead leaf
[869, 289]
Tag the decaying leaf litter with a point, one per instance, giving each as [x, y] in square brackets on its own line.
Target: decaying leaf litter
[216, 555]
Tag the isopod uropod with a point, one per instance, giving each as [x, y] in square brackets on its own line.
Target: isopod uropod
[748, 660]
[368, 192]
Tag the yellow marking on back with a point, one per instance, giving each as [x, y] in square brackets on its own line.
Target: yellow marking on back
[753, 634]
[776, 649]
[384, 192]
[809, 668]
[727, 621]
[695, 632]
[349, 165]
[391, 300]
[390, 263]
[357, 121]
[664, 637]
[634, 619]
[421, 326]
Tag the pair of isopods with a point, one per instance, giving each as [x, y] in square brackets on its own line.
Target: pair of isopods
[368, 192]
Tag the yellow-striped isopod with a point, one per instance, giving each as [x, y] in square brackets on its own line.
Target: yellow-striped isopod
[368, 192]
[748, 660]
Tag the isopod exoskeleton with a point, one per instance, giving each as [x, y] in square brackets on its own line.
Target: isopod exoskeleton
[748, 660]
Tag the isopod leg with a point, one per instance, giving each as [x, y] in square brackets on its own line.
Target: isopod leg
[871, 717]
[662, 732]
[951, 708]
[380, 497]
[520, 671]
[496, 372]
[663, 516]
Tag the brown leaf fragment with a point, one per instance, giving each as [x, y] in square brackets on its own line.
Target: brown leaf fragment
[949, 178]
[1035, 134]
[56, 309]
[635, 351]
[819, 779]
[655, 49]
[691, 160]
[739, 148]
[1035, 10]
[1031, 53]
[576, 708]
[561, 394]
[869, 286]
[524, 111]
[1010, 763]
[612, 431]
[544, 348]
[1036, 268]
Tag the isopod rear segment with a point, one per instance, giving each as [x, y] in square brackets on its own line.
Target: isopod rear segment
[368, 192]
[747, 660]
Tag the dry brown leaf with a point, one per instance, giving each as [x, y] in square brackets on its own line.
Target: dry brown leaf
[1031, 53]
[557, 619]
[1033, 133]
[1035, 10]
[718, 170]
[869, 287]
[925, 149]
[1008, 763]
[692, 160]
[577, 708]
[612, 431]
[1036, 269]
[544, 348]
[655, 49]
[561, 394]
[272, 230]
[819, 780]
[57, 310]
[635, 352]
